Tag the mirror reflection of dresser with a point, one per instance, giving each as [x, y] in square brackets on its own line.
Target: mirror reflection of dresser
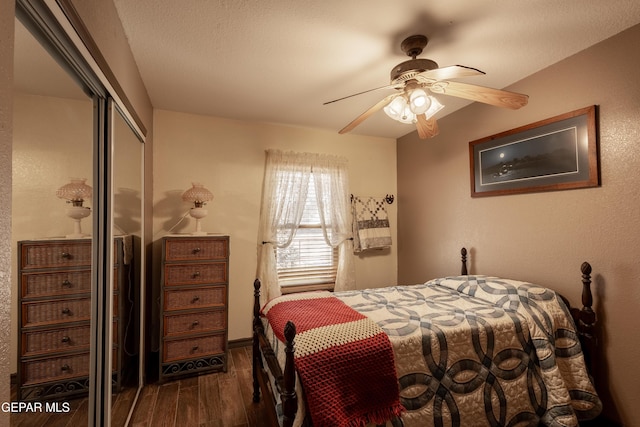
[54, 315]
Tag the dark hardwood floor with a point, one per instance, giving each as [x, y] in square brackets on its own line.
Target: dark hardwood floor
[214, 400]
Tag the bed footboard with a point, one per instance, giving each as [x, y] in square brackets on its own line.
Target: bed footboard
[285, 382]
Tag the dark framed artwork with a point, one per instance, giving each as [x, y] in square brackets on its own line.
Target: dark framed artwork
[558, 153]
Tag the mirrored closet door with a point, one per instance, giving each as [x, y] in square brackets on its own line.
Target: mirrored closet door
[77, 241]
[52, 206]
[127, 234]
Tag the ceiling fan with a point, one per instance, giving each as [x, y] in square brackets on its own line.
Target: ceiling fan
[415, 78]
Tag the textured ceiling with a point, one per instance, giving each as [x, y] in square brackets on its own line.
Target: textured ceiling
[278, 61]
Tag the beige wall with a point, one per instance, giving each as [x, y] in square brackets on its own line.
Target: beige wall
[228, 157]
[542, 237]
[51, 143]
[6, 119]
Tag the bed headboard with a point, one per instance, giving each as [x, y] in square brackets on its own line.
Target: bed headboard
[463, 269]
[585, 320]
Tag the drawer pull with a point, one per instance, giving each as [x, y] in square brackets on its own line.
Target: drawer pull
[195, 323]
[197, 250]
[66, 339]
[65, 368]
[194, 348]
[196, 274]
[196, 298]
[65, 255]
[66, 284]
[66, 311]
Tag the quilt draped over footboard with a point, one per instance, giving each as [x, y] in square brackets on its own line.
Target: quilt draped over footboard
[344, 360]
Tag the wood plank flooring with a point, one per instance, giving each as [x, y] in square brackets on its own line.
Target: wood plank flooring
[212, 400]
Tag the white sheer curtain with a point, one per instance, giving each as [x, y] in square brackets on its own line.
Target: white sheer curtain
[331, 179]
[284, 194]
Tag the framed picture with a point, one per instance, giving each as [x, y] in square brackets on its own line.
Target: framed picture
[554, 154]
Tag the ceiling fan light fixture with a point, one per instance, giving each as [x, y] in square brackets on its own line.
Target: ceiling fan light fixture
[419, 101]
[413, 105]
[395, 109]
[407, 116]
[434, 107]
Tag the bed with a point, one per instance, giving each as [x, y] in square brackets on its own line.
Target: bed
[465, 350]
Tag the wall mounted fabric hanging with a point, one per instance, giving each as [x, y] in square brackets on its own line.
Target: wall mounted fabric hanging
[370, 223]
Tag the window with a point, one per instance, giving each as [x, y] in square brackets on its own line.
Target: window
[308, 260]
[305, 224]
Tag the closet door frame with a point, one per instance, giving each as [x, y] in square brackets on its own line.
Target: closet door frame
[59, 29]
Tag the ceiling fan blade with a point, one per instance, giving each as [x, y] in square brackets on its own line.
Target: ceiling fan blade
[362, 117]
[450, 72]
[392, 86]
[497, 97]
[427, 128]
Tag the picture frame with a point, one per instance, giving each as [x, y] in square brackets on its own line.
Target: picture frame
[558, 153]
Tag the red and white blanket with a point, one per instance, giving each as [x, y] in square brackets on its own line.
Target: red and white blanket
[344, 360]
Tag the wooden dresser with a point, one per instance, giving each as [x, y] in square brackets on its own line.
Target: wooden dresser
[194, 311]
[54, 306]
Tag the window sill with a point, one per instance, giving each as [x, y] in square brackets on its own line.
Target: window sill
[307, 288]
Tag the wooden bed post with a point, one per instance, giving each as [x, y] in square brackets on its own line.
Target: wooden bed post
[463, 270]
[288, 395]
[586, 321]
[285, 382]
[257, 325]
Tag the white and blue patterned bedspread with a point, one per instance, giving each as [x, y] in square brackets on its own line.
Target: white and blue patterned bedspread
[479, 351]
[485, 351]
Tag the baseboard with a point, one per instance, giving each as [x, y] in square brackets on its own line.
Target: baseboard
[243, 342]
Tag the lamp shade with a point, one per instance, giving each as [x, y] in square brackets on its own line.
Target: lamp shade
[419, 101]
[396, 107]
[75, 192]
[197, 194]
[434, 107]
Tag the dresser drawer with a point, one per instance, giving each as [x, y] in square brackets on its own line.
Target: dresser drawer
[56, 255]
[56, 311]
[57, 368]
[70, 338]
[195, 274]
[184, 299]
[53, 340]
[40, 313]
[191, 348]
[202, 321]
[60, 283]
[183, 249]
[57, 283]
